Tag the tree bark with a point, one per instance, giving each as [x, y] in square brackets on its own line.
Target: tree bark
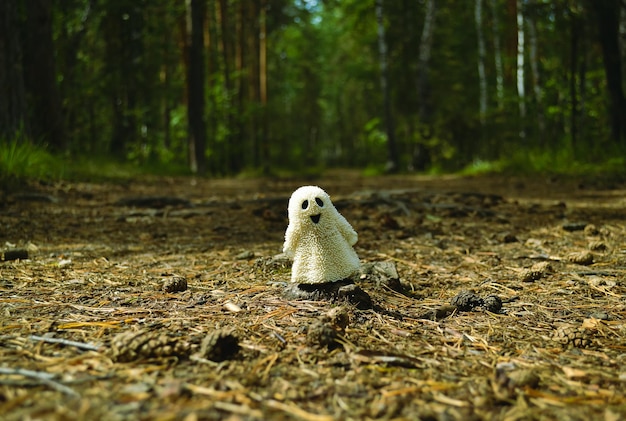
[497, 54]
[195, 83]
[575, 26]
[423, 69]
[263, 135]
[392, 159]
[42, 91]
[227, 47]
[12, 97]
[122, 30]
[521, 92]
[536, 77]
[420, 156]
[607, 15]
[482, 79]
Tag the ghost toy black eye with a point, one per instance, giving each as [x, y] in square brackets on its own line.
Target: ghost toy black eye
[305, 204]
[319, 202]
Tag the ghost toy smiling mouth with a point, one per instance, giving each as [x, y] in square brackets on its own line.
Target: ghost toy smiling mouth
[319, 240]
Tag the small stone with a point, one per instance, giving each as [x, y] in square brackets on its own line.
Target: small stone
[245, 255]
[599, 282]
[343, 290]
[339, 317]
[528, 275]
[467, 301]
[355, 295]
[492, 303]
[523, 378]
[383, 274]
[600, 315]
[220, 345]
[322, 334]
[175, 284]
[325, 331]
[581, 258]
[438, 313]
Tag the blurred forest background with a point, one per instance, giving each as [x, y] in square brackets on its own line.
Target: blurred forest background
[220, 87]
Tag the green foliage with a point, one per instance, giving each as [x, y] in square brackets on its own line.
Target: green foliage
[122, 66]
[540, 161]
[109, 169]
[20, 160]
[479, 166]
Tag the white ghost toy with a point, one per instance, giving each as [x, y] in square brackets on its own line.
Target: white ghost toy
[318, 239]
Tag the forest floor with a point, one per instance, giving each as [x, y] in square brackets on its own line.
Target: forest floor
[163, 299]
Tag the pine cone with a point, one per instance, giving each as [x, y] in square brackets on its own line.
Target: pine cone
[219, 346]
[581, 258]
[536, 272]
[598, 245]
[143, 344]
[571, 336]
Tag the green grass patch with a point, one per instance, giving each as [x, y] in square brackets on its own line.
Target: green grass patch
[21, 160]
[478, 167]
[529, 162]
[107, 168]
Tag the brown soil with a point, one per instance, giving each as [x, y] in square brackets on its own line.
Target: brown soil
[164, 299]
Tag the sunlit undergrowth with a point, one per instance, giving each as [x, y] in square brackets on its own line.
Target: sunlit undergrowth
[107, 168]
[528, 162]
[21, 161]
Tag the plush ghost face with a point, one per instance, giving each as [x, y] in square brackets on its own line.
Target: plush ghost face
[318, 239]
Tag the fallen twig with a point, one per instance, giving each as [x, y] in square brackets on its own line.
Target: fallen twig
[67, 342]
[42, 377]
[296, 412]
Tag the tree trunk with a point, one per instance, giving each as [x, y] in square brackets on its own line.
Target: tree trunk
[423, 69]
[236, 161]
[573, 72]
[228, 58]
[420, 158]
[263, 135]
[40, 76]
[536, 78]
[252, 71]
[497, 53]
[482, 79]
[12, 97]
[123, 38]
[195, 83]
[607, 14]
[521, 93]
[214, 107]
[392, 162]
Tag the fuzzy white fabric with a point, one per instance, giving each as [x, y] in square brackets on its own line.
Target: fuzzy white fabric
[318, 239]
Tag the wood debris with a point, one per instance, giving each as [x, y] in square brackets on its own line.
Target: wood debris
[453, 328]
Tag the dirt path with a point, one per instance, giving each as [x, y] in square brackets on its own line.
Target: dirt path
[163, 299]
